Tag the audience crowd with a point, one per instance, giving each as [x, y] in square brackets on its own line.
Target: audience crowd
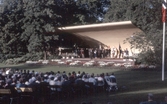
[59, 85]
[72, 84]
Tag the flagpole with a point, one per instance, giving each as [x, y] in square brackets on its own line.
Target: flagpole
[163, 52]
[163, 46]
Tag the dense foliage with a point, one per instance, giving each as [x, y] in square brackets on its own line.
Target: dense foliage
[28, 27]
[146, 15]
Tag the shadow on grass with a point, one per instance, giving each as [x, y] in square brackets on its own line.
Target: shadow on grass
[21, 66]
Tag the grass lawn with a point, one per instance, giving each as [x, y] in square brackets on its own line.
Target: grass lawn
[134, 85]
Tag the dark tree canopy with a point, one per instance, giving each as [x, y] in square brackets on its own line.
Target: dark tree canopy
[146, 15]
[29, 26]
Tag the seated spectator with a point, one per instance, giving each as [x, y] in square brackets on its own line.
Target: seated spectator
[2, 84]
[112, 75]
[70, 76]
[8, 70]
[14, 81]
[73, 74]
[165, 101]
[92, 80]
[150, 100]
[66, 85]
[109, 103]
[100, 81]
[78, 74]
[64, 75]
[59, 81]
[52, 81]
[85, 78]
[58, 74]
[20, 83]
[79, 85]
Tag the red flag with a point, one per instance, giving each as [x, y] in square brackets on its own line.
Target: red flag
[163, 14]
[164, 11]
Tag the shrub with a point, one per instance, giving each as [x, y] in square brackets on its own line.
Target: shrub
[147, 58]
[9, 61]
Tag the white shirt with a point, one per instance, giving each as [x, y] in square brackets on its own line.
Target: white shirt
[92, 80]
[100, 81]
[112, 76]
[52, 82]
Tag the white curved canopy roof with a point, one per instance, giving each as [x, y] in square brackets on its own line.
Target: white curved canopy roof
[111, 34]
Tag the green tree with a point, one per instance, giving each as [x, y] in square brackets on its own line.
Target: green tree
[10, 27]
[39, 20]
[77, 12]
[27, 26]
[119, 10]
[146, 15]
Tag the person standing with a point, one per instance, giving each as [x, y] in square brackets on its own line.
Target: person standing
[90, 53]
[150, 100]
[82, 53]
[126, 53]
[95, 53]
[109, 52]
[59, 51]
[120, 53]
[113, 52]
[102, 53]
[116, 52]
